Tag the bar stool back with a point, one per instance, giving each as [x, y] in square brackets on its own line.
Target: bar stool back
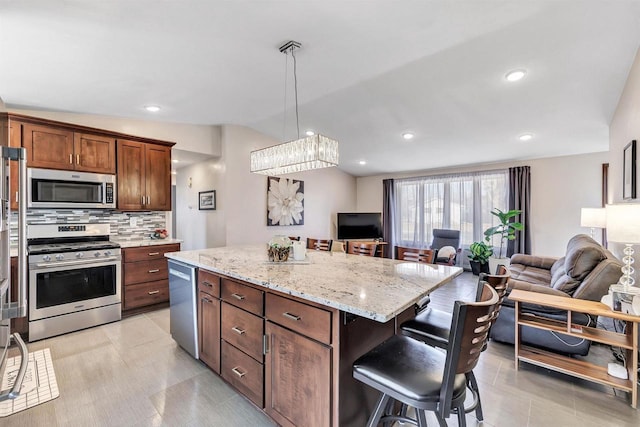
[418, 375]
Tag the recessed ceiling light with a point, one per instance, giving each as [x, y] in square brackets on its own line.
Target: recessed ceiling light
[175, 160]
[362, 162]
[525, 137]
[174, 172]
[515, 75]
[152, 108]
[408, 135]
[310, 133]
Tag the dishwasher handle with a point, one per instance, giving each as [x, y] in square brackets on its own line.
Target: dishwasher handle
[179, 274]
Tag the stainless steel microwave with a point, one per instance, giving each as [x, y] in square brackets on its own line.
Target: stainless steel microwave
[49, 188]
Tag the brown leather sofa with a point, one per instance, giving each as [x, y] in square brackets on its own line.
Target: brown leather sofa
[586, 272]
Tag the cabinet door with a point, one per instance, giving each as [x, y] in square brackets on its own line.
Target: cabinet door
[15, 140]
[131, 178]
[297, 380]
[48, 147]
[21, 324]
[94, 153]
[209, 330]
[158, 174]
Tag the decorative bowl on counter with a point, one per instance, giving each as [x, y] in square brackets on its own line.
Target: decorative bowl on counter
[160, 233]
[278, 249]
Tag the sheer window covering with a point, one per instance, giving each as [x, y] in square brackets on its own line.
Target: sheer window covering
[456, 201]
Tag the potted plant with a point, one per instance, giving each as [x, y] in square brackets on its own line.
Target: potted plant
[506, 230]
[479, 257]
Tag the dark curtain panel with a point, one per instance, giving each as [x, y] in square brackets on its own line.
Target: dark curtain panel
[520, 198]
[388, 206]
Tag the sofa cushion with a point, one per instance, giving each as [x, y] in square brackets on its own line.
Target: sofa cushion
[527, 273]
[557, 265]
[579, 261]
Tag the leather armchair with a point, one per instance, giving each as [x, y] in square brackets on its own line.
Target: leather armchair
[585, 272]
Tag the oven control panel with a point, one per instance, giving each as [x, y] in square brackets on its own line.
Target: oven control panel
[71, 228]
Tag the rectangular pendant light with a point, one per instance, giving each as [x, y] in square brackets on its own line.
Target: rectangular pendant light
[311, 152]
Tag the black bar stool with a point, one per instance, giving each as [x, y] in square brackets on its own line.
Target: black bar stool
[422, 376]
[432, 327]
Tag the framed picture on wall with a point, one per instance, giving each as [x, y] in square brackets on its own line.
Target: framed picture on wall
[629, 170]
[207, 200]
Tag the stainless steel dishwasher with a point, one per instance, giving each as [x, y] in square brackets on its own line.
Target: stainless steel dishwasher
[183, 311]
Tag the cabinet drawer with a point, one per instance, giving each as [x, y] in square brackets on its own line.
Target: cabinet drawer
[242, 329]
[243, 296]
[243, 373]
[305, 319]
[146, 253]
[209, 283]
[145, 271]
[143, 294]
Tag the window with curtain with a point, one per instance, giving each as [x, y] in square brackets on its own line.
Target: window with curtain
[456, 201]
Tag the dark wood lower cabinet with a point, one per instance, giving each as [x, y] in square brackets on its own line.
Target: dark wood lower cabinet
[298, 379]
[308, 351]
[209, 330]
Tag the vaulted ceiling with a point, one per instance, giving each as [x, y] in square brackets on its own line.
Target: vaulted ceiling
[368, 71]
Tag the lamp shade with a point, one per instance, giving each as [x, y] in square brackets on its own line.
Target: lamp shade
[593, 217]
[623, 223]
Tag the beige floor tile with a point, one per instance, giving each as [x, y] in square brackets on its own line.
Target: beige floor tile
[132, 373]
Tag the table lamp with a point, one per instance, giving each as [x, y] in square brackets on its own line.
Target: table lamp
[623, 226]
[593, 218]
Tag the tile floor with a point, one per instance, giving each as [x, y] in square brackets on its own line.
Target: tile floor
[131, 373]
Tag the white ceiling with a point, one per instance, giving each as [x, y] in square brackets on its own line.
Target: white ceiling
[367, 72]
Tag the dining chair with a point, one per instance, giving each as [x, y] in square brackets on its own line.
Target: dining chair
[319, 244]
[415, 255]
[446, 243]
[433, 327]
[408, 371]
[362, 248]
[337, 246]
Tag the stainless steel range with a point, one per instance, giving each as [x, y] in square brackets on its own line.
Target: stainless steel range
[74, 278]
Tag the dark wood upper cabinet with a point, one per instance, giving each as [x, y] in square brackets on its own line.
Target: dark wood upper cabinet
[158, 172]
[142, 165]
[94, 153]
[144, 176]
[54, 148]
[15, 140]
[48, 147]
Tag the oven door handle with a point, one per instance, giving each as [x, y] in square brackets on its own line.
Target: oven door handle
[69, 263]
[14, 392]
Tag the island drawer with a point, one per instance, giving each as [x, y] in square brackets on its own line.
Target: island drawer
[145, 253]
[142, 294]
[209, 283]
[243, 296]
[145, 271]
[242, 329]
[307, 320]
[243, 373]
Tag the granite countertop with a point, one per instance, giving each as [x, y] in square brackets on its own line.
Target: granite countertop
[144, 242]
[375, 288]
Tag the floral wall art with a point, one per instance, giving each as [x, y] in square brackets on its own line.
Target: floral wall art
[285, 201]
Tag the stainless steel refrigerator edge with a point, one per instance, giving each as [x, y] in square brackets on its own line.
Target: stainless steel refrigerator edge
[182, 302]
[12, 309]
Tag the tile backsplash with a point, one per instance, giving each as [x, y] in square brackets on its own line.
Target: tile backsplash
[121, 222]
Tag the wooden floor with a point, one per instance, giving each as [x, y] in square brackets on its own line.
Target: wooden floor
[131, 373]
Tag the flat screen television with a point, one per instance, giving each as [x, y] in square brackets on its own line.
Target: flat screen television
[367, 225]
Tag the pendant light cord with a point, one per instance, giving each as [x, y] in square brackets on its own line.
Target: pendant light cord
[284, 122]
[295, 86]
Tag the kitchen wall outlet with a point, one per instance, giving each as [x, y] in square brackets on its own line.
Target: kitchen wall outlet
[133, 221]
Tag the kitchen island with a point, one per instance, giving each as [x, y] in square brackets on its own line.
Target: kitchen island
[285, 334]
